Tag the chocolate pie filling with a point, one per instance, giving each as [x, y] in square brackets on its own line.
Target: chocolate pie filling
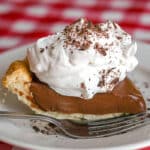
[124, 98]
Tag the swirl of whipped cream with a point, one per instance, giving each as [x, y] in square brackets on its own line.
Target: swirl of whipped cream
[83, 59]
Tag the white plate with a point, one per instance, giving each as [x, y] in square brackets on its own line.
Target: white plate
[21, 134]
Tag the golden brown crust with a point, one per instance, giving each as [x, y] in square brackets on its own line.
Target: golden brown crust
[18, 79]
[18, 71]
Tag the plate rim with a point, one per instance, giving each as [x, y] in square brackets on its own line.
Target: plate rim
[21, 144]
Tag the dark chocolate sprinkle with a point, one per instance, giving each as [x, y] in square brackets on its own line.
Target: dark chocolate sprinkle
[36, 129]
[102, 82]
[82, 95]
[115, 81]
[82, 85]
[119, 38]
[46, 127]
[51, 125]
[110, 70]
[43, 131]
[115, 26]
[41, 50]
[78, 34]
[100, 49]
[85, 45]
[52, 47]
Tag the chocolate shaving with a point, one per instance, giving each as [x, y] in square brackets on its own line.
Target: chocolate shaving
[85, 38]
[77, 29]
[118, 37]
[82, 85]
[52, 47]
[100, 49]
[97, 28]
[105, 34]
[79, 34]
[82, 96]
[46, 128]
[110, 70]
[76, 43]
[85, 45]
[51, 125]
[102, 82]
[115, 26]
[115, 81]
[41, 50]
[36, 129]
[44, 131]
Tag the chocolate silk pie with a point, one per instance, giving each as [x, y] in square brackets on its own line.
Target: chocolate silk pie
[79, 73]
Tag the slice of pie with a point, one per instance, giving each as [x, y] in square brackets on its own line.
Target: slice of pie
[124, 99]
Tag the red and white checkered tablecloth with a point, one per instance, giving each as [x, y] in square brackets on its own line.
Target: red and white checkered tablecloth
[24, 21]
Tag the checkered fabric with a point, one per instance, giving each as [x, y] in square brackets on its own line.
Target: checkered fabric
[24, 21]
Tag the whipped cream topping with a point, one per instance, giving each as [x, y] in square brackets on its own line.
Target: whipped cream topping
[83, 59]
